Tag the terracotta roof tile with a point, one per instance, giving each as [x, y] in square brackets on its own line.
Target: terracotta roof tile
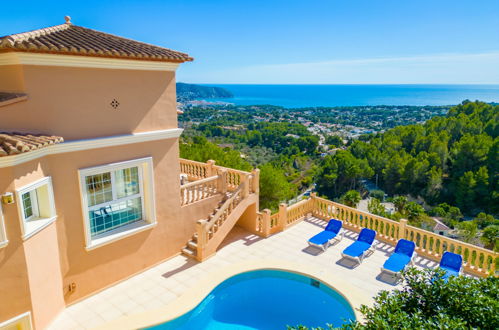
[16, 143]
[69, 39]
[440, 226]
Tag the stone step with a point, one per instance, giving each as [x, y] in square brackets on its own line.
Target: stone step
[192, 245]
[189, 253]
[190, 250]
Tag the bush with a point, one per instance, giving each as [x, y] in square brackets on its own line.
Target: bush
[427, 301]
[375, 207]
[490, 237]
[378, 194]
[351, 198]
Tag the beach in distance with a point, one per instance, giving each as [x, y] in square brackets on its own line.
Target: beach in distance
[298, 96]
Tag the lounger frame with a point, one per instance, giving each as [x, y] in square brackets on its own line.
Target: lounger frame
[365, 254]
[411, 263]
[332, 241]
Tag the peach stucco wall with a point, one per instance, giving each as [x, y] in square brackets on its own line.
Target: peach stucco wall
[95, 269]
[14, 284]
[36, 273]
[200, 210]
[44, 274]
[11, 78]
[75, 102]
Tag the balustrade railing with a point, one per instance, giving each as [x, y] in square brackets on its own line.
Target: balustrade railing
[198, 190]
[387, 229]
[233, 178]
[195, 170]
[207, 229]
[298, 210]
[477, 260]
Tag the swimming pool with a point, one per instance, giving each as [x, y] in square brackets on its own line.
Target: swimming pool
[265, 299]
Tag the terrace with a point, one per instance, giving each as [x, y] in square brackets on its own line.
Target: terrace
[272, 239]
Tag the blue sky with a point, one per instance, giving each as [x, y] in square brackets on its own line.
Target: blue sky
[311, 41]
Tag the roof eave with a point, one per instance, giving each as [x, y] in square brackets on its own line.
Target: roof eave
[138, 58]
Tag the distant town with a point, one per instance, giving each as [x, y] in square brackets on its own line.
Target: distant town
[346, 122]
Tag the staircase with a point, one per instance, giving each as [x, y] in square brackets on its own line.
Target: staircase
[239, 190]
[191, 248]
[211, 232]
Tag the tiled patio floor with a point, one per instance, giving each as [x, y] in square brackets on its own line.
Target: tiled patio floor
[162, 284]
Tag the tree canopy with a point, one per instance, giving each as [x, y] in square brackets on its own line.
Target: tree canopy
[452, 159]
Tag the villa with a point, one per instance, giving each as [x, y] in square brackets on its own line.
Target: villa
[99, 217]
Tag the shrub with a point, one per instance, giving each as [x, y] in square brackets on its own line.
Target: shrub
[490, 237]
[378, 194]
[427, 301]
[351, 198]
[375, 207]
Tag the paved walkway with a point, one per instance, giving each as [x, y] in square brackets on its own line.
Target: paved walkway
[163, 283]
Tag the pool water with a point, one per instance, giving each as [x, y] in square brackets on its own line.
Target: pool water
[266, 299]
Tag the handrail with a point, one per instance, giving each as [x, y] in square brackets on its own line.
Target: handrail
[234, 177]
[207, 229]
[298, 210]
[198, 190]
[198, 182]
[197, 170]
[194, 170]
[222, 212]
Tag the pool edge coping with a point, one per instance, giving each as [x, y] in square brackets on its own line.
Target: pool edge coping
[195, 294]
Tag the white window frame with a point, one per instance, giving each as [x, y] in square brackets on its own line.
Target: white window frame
[146, 192]
[3, 233]
[35, 210]
[36, 222]
[20, 322]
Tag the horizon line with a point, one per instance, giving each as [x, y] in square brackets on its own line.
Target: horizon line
[348, 84]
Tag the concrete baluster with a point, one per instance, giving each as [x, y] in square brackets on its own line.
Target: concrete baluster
[266, 222]
[222, 181]
[256, 181]
[402, 225]
[283, 216]
[246, 186]
[202, 238]
[210, 169]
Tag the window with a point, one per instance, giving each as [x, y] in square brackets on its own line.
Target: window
[3, 234]
[36, 206]
[117, 200]
[22, 321]
[30, 205]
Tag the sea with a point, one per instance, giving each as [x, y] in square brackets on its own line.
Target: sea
[299, 96]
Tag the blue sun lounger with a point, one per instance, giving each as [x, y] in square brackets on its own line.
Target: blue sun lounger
[365, 244]
[403, 256]
[452, 263]
[332, 233]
